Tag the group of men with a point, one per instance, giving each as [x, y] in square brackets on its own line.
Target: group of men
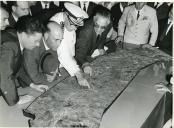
[45, 41]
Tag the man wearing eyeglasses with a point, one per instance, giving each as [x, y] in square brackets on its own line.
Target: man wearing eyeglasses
[92, 38]
[70, 19]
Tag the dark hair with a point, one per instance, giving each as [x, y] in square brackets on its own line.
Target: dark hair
[29, 25]
[5, 7]
[103, 11]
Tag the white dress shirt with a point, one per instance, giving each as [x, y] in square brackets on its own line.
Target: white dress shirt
[66, 50]
[170, 25]
[138, 31]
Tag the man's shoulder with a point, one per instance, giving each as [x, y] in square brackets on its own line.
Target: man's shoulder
[149, 9]
[129, 7]
[9, 35]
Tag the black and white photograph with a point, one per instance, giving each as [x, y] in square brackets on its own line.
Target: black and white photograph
[86, 64]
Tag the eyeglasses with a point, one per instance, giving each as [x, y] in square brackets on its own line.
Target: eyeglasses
[96, 25]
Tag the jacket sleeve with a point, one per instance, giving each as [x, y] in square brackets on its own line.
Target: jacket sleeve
[67, 59]
[7, 79]
[82, 46]
[31, 65]
[153, 28]
[122, 22]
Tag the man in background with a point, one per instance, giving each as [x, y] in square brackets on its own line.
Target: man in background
[165, 37]
[136, 24]
[18, 9]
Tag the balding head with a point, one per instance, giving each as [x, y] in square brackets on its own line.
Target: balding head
[3, 18]
[54, 35]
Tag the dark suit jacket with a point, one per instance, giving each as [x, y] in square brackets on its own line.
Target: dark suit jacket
[86, 42]
[116, 15]
[10, 66]
[166, 44]
[34, 62]
[12, 21]
[91, 8]
[44, 14]
[162, 11]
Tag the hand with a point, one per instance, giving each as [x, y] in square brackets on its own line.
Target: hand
[88, 70]
[41, 88]
[81, 80]
[162, 88]
[101, 51]
[52, 77]
[119, 39]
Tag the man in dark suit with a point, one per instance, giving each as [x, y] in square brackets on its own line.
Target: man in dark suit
[161, 8]
[34, 58]
[18, 9]
[165, 36]
[44, 10]
[88, 7]
[27, 35]
[116, 13]
[92, 37]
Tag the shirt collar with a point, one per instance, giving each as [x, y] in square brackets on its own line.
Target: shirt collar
[15, 17]
[43, 5]
[140, 11]
[121, 7]
[21, 47]
[45, 45]
[169, 21]
[159, 4]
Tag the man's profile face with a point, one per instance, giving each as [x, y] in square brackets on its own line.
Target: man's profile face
[3, 19]
[30, 41]
[139, 5]
[21, 9]
[100, 24]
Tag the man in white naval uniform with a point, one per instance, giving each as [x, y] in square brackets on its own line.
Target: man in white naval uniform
[136, 24]
[70, 20]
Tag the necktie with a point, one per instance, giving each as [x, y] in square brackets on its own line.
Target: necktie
[97, 41]
[84, 7]
[138, 15]
[164, 32]
[46, 6]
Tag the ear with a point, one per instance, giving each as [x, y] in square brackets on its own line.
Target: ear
[13, 8]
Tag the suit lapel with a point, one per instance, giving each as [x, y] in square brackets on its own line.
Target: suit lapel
[11, 20]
